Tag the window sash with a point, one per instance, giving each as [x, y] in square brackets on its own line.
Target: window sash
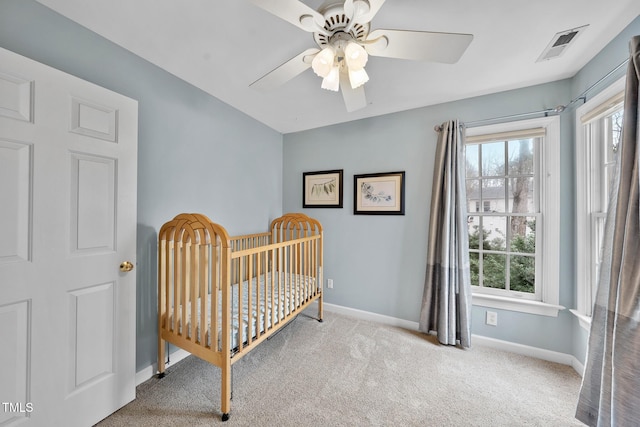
[537, 135]
[592, 189]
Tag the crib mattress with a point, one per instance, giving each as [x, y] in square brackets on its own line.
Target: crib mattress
[283, 305]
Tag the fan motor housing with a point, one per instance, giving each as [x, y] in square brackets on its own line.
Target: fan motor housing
[339, 27]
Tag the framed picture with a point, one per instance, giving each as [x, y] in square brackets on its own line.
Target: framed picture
[379, 194]
[322, 189]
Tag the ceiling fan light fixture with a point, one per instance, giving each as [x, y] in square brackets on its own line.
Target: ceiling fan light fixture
[332, 79]
[322, 63]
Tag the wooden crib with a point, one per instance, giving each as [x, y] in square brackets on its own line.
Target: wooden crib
[220, 296]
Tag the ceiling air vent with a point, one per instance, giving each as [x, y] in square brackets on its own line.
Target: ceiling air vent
[559, 43]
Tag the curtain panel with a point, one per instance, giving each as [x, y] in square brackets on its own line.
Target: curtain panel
[610, 391]
[446, 297]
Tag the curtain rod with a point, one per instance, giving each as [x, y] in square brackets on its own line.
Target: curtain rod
[557, 110]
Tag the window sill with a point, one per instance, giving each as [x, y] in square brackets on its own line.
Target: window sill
[523, 306]
[585, 321]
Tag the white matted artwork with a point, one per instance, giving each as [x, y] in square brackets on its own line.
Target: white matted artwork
[379, 194]
[322, 189]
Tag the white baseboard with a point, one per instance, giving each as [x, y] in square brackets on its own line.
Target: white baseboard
[540, 353]
[148, 372]
[367, 315]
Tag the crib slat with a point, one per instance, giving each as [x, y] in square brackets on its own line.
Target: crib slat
[204, 268]
[183, 289]
[250, 284]
[215, 293]
[281, 299]
[193, 277]
[290, 276]
[167, 286]
[259, 285]
[265, 307]
[239, 304]
[176, 285]
[272, 288]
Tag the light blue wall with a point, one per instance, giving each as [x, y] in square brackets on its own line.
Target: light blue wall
[378, 263]
[195, 153]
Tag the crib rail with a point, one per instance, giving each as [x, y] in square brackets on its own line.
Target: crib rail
[286, 277]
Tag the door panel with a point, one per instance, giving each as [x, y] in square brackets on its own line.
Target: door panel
[68, 189]
[92, 337]
[93, 203]
[14, 374]
[15, 193]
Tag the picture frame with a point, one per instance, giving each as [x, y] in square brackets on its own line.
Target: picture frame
[322, 189]
[379, 193]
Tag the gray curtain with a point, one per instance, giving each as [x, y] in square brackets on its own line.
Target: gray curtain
[447, 288]
[610, 392]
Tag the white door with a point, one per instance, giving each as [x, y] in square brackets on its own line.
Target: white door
[67, 221]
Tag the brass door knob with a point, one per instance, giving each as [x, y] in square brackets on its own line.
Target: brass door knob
[126, 266]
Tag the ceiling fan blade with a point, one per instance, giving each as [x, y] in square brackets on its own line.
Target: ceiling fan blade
[421, 45]
[354, 99]
[374, 7]
[294, 12]
[286, 71]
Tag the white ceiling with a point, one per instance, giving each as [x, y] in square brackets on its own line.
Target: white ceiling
[222, 46]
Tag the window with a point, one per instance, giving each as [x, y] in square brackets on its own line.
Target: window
[512, 171]
[598, 132]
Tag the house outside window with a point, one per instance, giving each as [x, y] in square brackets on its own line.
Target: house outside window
[598, 133]
[512, 171]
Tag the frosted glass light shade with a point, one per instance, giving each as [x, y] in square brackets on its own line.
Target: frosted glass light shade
[323, 62]
[332, 80]
[356, 56]
[358, 77]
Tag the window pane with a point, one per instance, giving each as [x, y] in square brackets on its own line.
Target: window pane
[494, 232]
[521, 195]
[473, 223]
[523, 234]
[523, 273]
[493, 194]
[472, 164]
[520, 157]
[474, 261]
[473, 195]
[610, 173]
[615, 132]
[492, 159]
[493, 270]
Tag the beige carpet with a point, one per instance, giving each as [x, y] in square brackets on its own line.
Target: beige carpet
[350, 372]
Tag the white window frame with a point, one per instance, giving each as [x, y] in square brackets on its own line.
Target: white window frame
[549, 186]
[584, 170]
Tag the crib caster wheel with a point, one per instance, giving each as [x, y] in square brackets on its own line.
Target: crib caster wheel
[320, 320]
[225, 417]
[161, 375]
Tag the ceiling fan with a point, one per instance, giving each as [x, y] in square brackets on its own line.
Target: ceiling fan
[341, 29]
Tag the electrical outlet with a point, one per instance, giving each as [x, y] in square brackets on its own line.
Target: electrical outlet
[330, 283]
[492, 318]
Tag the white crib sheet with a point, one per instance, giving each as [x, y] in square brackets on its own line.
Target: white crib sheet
[304, 287]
